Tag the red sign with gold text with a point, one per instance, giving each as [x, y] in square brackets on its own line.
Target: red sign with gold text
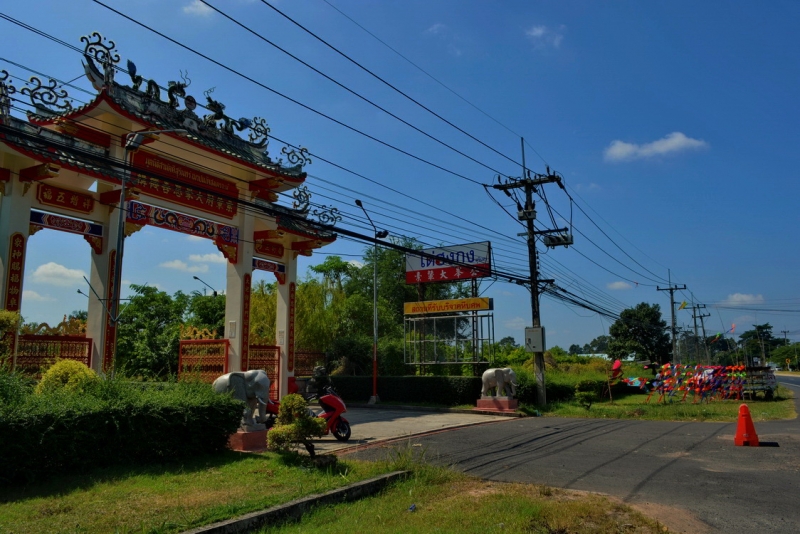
[195, 189]
[246, 322]
[290, 344]
[16, 268]
[61, 198]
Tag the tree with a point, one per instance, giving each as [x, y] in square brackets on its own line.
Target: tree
[575, 349]
[149, 332]
[207, 311]
[599, 345]
[640, 331]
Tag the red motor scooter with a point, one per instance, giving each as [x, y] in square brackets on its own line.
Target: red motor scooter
[333, 407]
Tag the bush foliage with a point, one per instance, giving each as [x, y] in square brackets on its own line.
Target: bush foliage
[70, 375]
[111, 423]
[295, 425]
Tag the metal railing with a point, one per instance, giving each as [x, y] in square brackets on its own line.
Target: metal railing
[207, 359]
[35, 352]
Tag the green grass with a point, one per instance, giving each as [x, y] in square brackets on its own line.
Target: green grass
[445, 501]
[169, 498]
[634, 407]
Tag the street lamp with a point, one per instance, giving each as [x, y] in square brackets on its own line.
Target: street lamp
[133, 140]
[378, 235]
[211, 288]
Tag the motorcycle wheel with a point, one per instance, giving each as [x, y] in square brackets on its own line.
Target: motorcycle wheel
[342, 430]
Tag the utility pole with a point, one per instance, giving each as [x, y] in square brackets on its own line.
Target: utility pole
[695, 315]
[672, 289]
[562, 238]
[703, 326]
[696, 341]
[785, 340]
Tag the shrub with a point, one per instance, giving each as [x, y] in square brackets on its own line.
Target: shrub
[295, 426]
[352, 356]
[9, 322]
[14, 387]
[112, 423]
[66, 374]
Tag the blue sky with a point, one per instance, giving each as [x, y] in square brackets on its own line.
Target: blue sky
[675, 125]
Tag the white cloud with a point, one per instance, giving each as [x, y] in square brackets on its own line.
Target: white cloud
[517, 324]
[436, 29]
[35, 297]
[210, 258]
[587, 187]
[356, 263]
[179, 265]
[617, 286]
[544, 37]
[674, 142]
[741, 299]
[195, 238]
[197, 8]
[54, 274]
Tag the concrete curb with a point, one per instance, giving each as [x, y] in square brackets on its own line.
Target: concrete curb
[296, 508]
[433, 409]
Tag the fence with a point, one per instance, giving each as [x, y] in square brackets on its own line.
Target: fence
[205, 358]
[35, 351]
[267, 358]
[306, 360]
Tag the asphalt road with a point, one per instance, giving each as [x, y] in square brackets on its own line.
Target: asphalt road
[688, 471]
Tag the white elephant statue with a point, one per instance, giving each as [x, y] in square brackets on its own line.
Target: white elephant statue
[252, 388]
[503, 381]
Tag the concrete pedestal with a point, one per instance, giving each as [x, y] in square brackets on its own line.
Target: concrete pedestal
[248, 441]
[497, 404]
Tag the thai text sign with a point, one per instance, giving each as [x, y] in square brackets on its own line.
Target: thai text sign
[458, 262]
[200, 190]
[448, 306]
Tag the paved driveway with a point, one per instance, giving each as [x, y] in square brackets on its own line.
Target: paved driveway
[689, 475]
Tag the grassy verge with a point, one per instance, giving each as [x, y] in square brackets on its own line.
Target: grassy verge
[634, 407]
[169, 498]
[444, 501]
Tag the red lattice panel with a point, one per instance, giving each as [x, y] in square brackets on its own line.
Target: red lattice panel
[207, 359]
[267, 358]
[306, 360]
[35, 352]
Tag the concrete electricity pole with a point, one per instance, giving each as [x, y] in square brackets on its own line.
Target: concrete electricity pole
[672, 289]
[562, 238]
[695, 315]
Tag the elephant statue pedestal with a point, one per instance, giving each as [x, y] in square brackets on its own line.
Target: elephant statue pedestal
[497, 404]
[248, 441]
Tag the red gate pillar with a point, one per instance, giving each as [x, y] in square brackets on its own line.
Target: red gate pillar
[15, 213]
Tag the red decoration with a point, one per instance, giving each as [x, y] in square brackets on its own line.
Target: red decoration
[16, 268]
[290, 344]
[111, 329]
[61, 198]
[39, 172]
[246, 320]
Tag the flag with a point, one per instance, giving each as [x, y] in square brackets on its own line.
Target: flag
[733, 328]
[683, 305]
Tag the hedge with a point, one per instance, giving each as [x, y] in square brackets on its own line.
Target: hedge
[116, 424]
[449, 390]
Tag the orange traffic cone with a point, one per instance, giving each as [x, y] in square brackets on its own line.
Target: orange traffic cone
[745, 431]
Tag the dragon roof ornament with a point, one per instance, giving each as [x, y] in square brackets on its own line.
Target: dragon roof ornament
[47, 98]
[145, 96]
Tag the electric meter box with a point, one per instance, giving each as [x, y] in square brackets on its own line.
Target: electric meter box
[534, 339]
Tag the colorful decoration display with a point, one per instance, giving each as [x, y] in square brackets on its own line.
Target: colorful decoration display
[704, 382]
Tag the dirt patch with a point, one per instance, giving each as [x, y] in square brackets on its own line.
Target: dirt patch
[675, 519]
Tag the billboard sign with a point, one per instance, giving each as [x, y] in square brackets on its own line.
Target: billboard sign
[448, 306]
[452, 263]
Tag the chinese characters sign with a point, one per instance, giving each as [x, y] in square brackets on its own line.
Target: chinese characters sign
[61, 198]
[449, 264]
[16, 267]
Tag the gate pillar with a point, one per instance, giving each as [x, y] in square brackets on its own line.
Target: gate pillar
[285, 327]
[15, 213]
[237, 295]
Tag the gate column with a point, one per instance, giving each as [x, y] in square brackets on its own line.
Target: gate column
[285, 327]
[15, 213]
[237, 294]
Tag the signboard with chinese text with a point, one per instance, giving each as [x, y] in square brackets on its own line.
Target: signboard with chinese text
[448, 306]
[69, 200]
[452, 263]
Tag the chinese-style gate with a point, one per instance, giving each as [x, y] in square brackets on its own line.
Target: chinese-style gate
[195, 177]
